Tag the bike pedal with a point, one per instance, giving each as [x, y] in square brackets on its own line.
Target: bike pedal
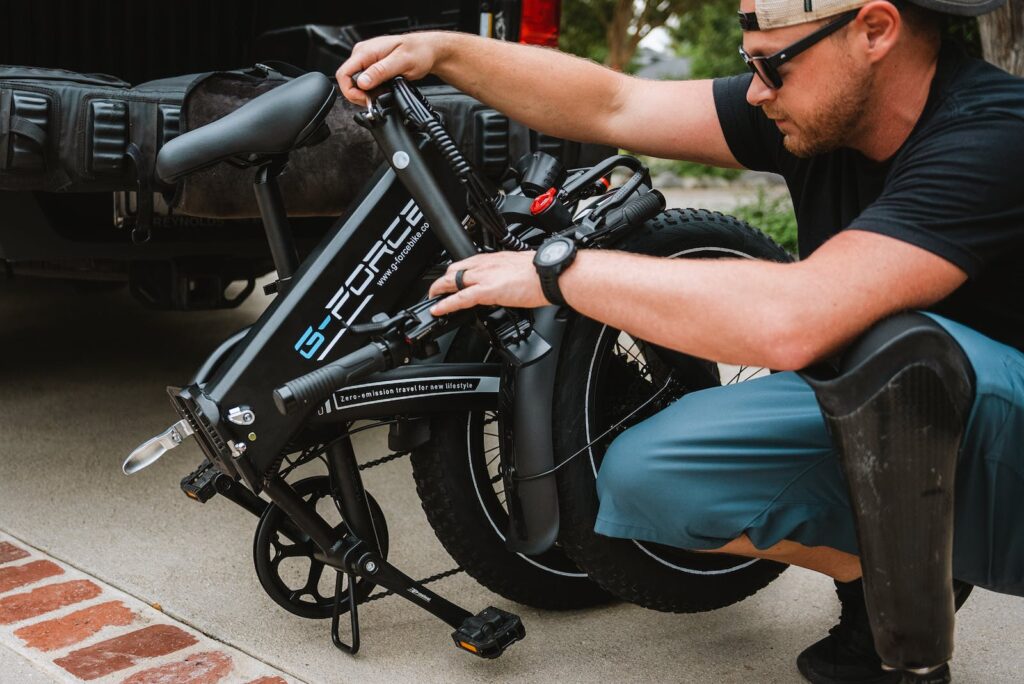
[199, 484]
[489, 633]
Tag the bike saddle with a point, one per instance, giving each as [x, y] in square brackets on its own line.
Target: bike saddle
[270, 125]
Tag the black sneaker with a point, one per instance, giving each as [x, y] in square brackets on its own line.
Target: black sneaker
[847, 655]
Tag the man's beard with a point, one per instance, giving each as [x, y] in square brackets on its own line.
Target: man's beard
[833, 121]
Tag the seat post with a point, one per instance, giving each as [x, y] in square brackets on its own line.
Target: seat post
[275, 219]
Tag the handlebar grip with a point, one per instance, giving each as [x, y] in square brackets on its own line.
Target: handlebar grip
[316, 386]
[637, 210]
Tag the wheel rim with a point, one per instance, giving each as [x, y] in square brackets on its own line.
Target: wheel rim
[489, 490]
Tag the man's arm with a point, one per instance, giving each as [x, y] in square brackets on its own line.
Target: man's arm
[781, 316]
[553, 92]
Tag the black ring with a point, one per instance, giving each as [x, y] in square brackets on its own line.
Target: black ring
[460, 284]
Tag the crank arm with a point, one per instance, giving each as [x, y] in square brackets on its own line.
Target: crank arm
[355, 559]
[151, 450]
[485, 635]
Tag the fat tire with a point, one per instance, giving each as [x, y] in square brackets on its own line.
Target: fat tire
[449, 498]
[621, 566]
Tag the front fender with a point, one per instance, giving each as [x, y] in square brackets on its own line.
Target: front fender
[533, 526]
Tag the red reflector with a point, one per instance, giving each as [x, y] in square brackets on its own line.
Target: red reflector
[539, 22]
[542, 202]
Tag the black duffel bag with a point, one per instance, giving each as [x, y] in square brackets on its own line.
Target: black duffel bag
[63, 131]
[71, 132]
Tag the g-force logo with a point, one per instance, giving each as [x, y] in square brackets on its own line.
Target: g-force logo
[379, 264]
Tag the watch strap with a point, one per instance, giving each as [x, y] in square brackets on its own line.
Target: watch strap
[550, 272]
[549, 286]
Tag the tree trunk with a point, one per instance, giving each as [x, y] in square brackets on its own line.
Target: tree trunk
[619, 49]
[1002, 37]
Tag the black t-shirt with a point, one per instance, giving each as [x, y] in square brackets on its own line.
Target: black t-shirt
[954, 188]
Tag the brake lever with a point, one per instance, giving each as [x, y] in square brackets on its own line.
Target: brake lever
[371, 110]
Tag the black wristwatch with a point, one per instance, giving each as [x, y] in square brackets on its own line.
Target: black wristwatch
[551, 261]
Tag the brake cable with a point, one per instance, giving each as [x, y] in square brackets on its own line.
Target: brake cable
[480, 205]
[552, 471]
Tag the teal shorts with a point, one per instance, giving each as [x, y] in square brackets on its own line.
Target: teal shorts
[755, 458]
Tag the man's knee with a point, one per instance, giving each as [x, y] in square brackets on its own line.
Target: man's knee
[623, 475]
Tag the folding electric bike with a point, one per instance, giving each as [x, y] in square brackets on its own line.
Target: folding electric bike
[505, 412]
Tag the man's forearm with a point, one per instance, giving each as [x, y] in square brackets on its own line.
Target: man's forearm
[547, 90]
[733, 311]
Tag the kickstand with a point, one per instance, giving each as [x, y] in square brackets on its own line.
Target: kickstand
[336, 618]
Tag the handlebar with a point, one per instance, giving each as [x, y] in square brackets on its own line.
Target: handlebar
[635, 211]
[316, 386]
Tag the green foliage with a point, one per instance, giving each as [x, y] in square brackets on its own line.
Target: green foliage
[688, 168]
[710, 36]
[773, 215]
[608, 31]
[583, 30]
[963, 31]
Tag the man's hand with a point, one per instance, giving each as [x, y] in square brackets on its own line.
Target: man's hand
[412, 55]
[500, 278]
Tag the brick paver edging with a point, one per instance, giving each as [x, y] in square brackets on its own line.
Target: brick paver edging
[76, 628]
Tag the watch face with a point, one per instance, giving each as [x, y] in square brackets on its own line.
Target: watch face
[554, 251]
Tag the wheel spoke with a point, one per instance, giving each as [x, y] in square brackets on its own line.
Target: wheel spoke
[735, 378]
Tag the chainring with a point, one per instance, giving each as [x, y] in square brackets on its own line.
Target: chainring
[287, 568]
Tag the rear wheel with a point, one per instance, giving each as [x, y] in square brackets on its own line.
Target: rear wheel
[604, 376]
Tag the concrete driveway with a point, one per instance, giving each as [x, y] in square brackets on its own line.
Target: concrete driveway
[82, 383]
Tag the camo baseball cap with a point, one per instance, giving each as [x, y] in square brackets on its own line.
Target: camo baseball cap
[771, 14]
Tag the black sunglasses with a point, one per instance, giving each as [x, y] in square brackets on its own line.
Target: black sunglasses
[767, 68]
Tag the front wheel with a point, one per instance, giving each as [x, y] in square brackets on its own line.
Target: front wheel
[604, 376]
[461, 490]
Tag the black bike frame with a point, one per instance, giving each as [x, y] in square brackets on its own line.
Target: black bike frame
[374, 260]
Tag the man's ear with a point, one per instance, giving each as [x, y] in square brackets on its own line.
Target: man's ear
[880, 26]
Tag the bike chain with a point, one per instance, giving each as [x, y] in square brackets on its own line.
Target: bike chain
[384, 459]
[427, 580]
[433, 578]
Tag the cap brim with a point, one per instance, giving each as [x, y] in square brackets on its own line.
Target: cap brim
[966, 8]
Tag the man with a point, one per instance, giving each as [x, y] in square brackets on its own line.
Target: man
[901, 157]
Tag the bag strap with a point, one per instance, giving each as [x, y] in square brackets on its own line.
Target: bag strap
[141, 151]
[26, 128]
[142, 229]
[5, 119]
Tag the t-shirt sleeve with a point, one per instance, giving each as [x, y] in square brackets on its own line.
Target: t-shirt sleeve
[955, 191]
[753, 139]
